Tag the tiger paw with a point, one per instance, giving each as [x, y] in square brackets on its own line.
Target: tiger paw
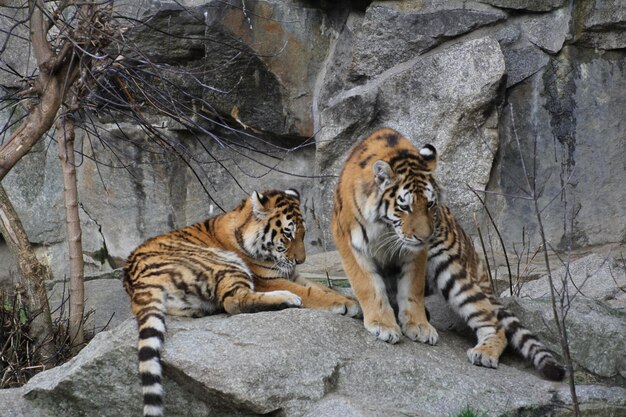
[385, 333]
[348, 308]
[286, 298]
[353, 309]
[481, 355]
[423, 332]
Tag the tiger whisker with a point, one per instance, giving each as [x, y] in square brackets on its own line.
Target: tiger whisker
[394, 248]
[386, 240]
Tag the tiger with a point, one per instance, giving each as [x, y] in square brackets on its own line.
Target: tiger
[401, 227]
[380, 233]
[241, 261]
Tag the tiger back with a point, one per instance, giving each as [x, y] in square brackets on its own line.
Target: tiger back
[242, 261]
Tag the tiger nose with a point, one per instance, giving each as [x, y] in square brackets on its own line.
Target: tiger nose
[301, 259]
[421, 239]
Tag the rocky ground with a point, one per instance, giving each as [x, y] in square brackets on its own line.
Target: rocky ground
[313, 363]
[295, 363]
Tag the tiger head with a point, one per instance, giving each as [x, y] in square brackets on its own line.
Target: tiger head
[277, 232]
[409, 195]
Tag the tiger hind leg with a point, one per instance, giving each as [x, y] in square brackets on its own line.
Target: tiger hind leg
[491, 343]
[479, 313]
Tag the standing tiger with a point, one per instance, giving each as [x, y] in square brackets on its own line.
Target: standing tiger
[389, 191]
[242, 261]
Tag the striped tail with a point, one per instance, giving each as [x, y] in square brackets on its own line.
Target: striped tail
[529, 346]
[151, 334]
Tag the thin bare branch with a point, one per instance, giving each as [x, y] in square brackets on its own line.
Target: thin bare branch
[38, 31]
[506, 257]
[559, 319]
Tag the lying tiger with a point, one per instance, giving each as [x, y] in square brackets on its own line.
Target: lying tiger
[391, 229]
[242, 261]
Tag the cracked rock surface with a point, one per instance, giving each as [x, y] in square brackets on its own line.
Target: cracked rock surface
[291, 363]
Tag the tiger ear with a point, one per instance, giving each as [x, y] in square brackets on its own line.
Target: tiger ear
[429, 157]
[259, 202]
[292, 192]
[384, 175]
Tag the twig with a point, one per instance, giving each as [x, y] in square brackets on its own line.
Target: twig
[506, 257]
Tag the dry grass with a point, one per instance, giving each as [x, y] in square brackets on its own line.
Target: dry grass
[18, 353]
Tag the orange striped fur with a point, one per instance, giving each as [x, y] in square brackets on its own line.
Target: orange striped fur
[242, 261]
[460, 275]
[388, 215]
[381, 221]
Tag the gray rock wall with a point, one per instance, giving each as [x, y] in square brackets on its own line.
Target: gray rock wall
[135, 191]
[438, 98]
[471, 77]
[569, 119]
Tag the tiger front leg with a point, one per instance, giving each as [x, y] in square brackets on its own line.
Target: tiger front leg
[330, 299]
[237, 296]
[312, 295]
[411, 308]
[370, 290]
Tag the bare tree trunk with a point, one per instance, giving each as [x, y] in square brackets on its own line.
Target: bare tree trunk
[57, 72]
[59, 60]
[33, 275]
[65, 140]
[38, 122]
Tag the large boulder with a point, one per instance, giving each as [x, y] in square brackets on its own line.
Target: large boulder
[547, 31]
[601, 24]
[12, 404]
[106, 303]
[591, 292]
[530, 5]
[523, 62]
[394, 32]
[448, 99]
[567, 122]
[595, 276]
[294, 363]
